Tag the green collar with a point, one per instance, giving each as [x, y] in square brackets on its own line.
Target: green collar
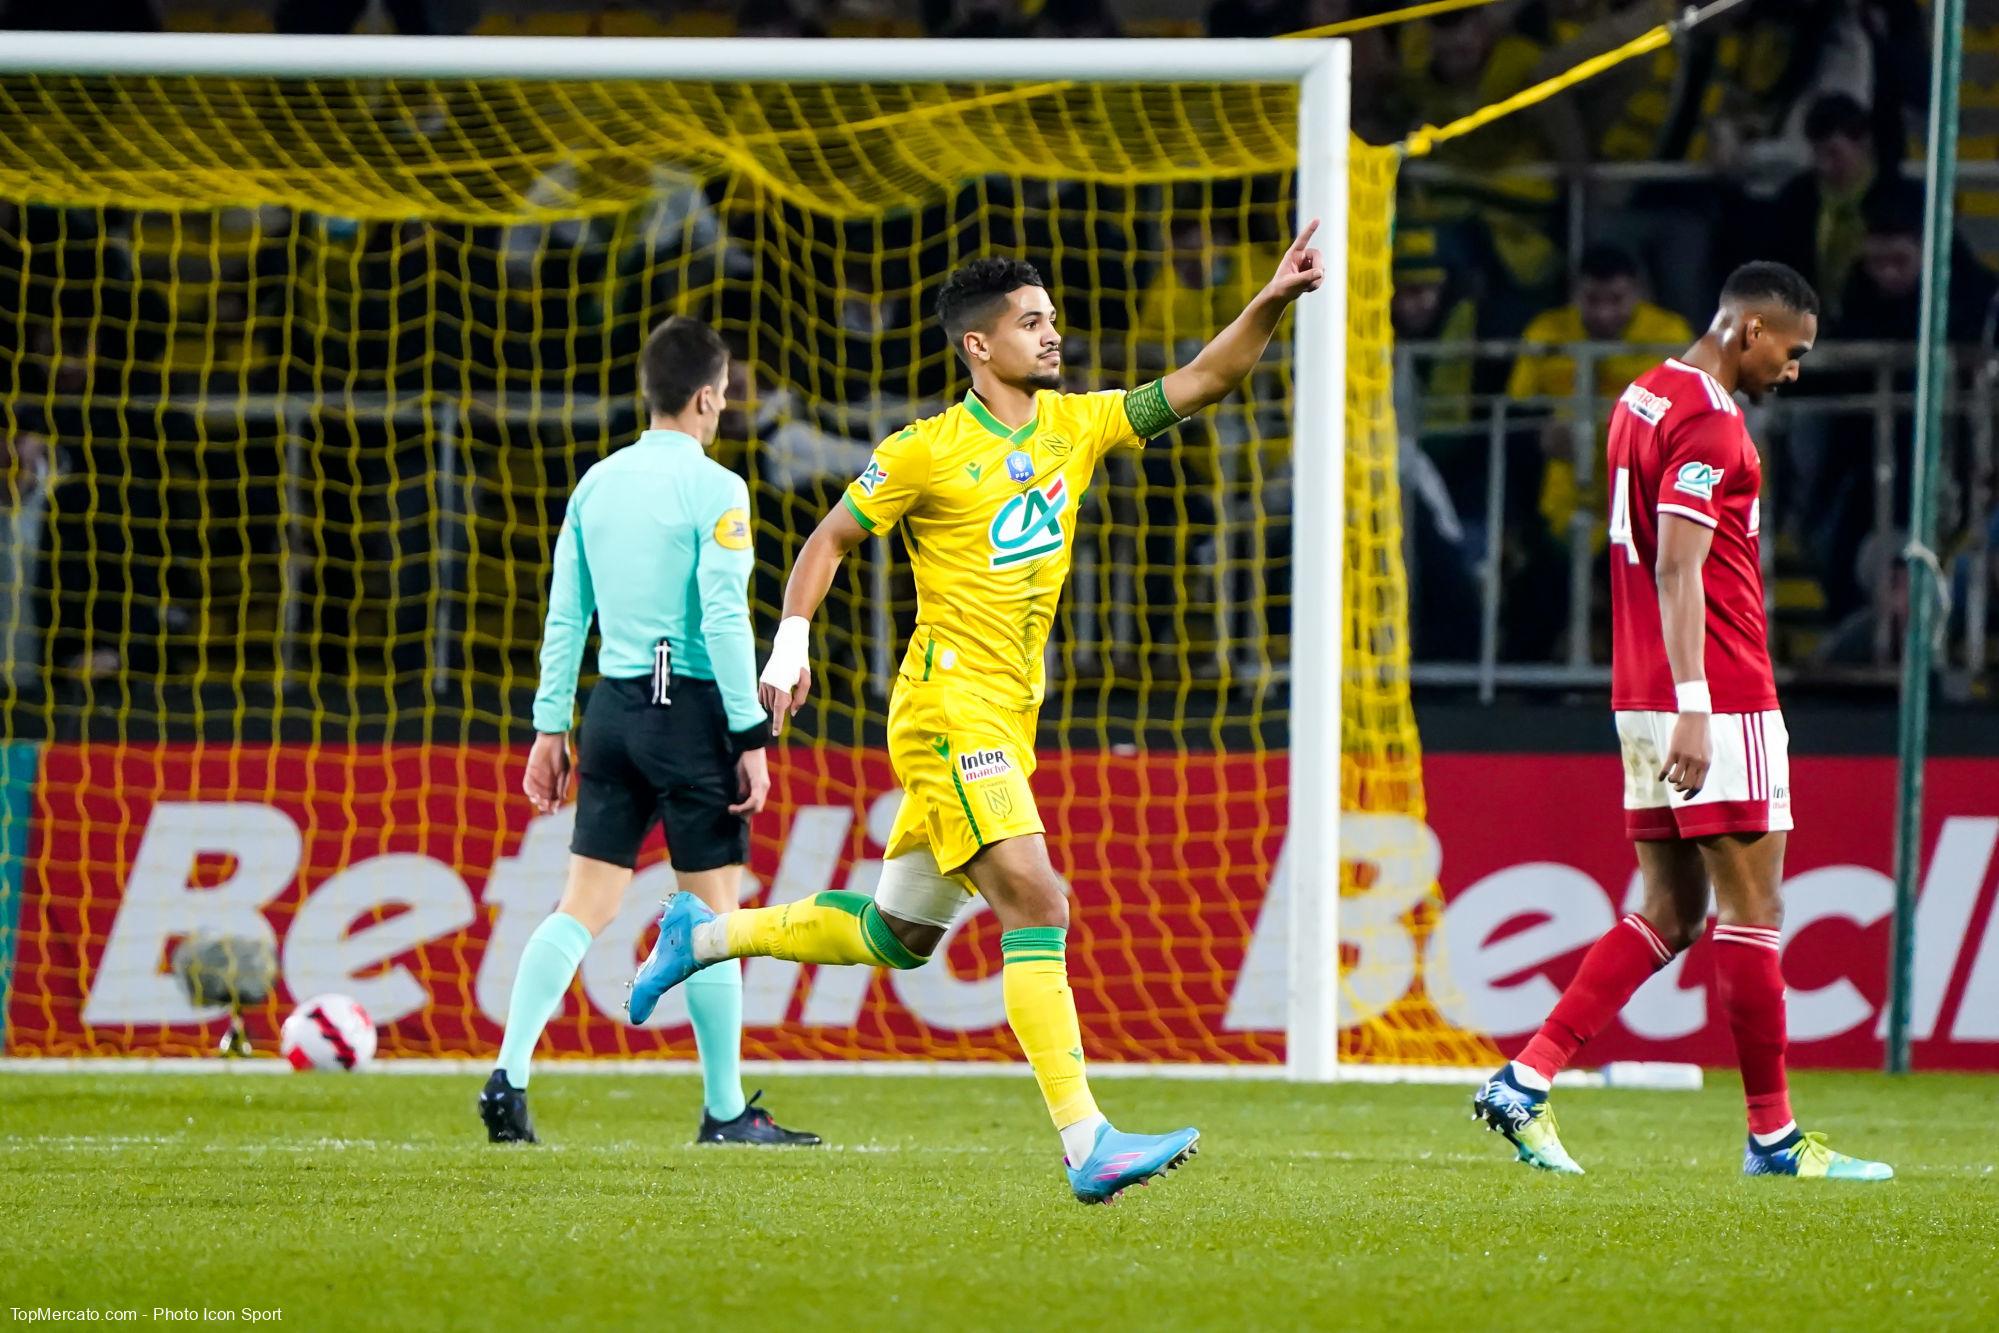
[673, 438]
[983, 415]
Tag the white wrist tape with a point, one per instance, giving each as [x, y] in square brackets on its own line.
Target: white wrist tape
[789, 650]
[1693, 697]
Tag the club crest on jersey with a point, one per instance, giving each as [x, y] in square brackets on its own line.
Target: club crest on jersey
[1019, 466]
[1697, 479]
[873, 477]
[978, 765]
[1647, 406]
[1029, 525]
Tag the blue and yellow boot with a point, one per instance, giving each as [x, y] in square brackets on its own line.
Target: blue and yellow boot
[1805, 1155]
[1523, 1115]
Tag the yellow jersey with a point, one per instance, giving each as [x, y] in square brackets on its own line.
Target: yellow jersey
[989, 515]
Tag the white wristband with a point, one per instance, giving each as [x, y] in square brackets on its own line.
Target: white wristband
[789, 650]
[1693, 697]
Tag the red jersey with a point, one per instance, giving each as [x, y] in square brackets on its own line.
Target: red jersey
[1678, 447]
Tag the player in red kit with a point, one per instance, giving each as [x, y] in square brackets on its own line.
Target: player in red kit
[1707, 797]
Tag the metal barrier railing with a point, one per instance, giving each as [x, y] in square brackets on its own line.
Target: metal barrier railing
[1489, 421]
[1495, 420]
[1591, 190]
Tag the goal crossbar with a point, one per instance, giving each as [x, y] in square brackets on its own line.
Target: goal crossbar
[826, 60]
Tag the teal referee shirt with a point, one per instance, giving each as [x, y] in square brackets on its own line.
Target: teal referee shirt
[656, 543]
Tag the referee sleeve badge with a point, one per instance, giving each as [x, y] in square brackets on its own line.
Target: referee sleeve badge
[732, 530]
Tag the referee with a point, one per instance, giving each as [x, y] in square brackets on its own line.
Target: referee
[656, 543]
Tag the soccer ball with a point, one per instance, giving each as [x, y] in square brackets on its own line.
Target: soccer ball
[328, 1032]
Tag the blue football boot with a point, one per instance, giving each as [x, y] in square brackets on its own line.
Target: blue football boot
[672, 958]
[1119, 1161]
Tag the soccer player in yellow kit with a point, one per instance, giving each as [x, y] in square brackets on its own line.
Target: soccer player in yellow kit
[987, 493]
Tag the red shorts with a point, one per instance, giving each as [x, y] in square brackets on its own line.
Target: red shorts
[1748, 787]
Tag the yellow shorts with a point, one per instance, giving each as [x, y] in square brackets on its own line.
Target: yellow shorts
[963, 763]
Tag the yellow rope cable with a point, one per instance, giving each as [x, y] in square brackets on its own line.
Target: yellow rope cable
[1422, 141]
[1341, 29]
[1393, 16]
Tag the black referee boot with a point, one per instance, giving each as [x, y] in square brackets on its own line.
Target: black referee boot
[753, 1126]
[504, 1108]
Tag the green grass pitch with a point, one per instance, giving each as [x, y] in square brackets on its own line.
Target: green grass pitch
[374, 1203]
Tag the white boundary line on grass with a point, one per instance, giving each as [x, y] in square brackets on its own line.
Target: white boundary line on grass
[1656, 1076]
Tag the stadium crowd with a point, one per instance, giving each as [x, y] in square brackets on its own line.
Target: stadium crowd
[1603, 217]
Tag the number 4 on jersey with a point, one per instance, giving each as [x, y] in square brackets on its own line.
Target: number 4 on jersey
[1620, 514]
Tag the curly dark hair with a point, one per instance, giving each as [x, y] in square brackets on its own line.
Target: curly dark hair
[977, 291]
[1777, 284]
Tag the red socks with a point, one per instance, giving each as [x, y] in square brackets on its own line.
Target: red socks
[1615, 967]
[1748, 982]
[1750, 985]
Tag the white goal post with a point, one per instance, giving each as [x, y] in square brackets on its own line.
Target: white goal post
[1319, 68]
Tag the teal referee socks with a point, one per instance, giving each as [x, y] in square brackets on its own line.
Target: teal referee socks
[548, 965]
[714, 1003]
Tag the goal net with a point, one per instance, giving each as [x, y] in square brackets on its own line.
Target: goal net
[299, 372]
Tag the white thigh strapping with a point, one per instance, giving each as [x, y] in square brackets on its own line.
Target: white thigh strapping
[913, 888]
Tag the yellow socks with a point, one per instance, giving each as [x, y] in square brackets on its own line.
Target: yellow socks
[825, 928]
[1042, 1011]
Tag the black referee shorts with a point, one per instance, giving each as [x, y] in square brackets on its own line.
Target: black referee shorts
[637, 761]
